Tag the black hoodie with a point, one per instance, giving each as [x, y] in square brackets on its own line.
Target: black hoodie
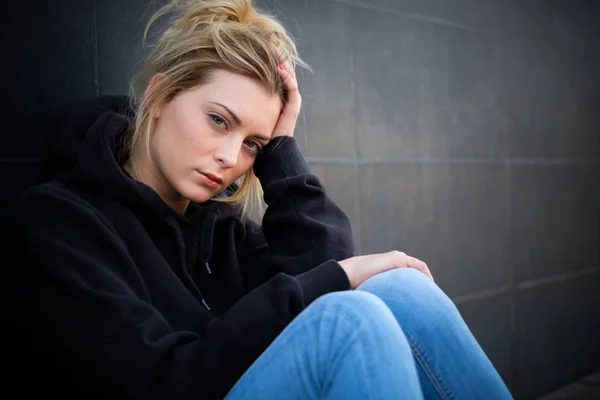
[127, 298]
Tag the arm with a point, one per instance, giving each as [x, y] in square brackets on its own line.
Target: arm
[302, 227]
[88, 305]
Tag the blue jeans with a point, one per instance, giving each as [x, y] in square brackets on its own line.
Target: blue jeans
[398, 336]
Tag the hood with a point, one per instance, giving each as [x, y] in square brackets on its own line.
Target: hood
[84, 156]
[75, 127]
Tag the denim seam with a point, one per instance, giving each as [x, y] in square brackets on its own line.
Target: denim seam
[351, 340]
[353, 322]
[430, 372]
[318, 318]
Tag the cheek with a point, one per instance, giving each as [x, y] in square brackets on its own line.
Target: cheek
[245, 163]
[172, 150]
[159, 140]
[189, 138]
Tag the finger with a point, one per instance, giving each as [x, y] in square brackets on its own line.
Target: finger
[428, 273]
[288, 67]
[401, 259]
[419, 265]
[283, 59]
[288, 80]
[287, 73]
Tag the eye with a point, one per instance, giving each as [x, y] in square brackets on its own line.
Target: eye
[255, 147]
[218, 121]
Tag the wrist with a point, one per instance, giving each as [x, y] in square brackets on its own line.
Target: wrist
[280, 159]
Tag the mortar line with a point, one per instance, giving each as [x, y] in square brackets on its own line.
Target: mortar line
[580, 51]
[526, 285]
[95, 47]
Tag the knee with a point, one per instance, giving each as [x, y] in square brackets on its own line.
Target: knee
[356, 319]
[352, 325]
[358, 307]
[410, 287]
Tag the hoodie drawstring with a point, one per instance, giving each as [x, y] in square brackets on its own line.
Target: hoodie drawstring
[181, 244]
[206, 239]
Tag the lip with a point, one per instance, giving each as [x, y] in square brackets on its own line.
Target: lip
[210, 180]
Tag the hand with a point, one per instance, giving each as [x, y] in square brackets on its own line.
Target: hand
[289, 115]
[361, 268]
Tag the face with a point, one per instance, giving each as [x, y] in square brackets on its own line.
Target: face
[207, 137]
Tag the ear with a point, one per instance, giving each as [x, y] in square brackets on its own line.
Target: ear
[151, 86]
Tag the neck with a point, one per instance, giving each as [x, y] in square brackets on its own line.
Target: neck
[144, 170]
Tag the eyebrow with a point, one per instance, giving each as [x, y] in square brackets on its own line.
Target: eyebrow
[235, 117]
[238, 121]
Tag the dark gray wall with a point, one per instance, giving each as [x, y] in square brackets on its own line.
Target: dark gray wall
[464, 132]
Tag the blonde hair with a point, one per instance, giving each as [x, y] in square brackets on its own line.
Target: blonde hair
[202, 37]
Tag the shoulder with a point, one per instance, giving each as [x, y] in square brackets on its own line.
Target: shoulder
[46, 193]
[56, 221]
[57, 202]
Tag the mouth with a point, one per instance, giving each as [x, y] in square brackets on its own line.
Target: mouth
[210, 180]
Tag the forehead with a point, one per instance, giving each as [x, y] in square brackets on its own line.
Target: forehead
[245, 97]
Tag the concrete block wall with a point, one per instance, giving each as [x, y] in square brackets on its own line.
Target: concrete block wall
[464, 132]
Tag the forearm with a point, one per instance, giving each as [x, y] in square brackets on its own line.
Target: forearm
[302, 226]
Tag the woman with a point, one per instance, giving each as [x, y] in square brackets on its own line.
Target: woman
[144, 278]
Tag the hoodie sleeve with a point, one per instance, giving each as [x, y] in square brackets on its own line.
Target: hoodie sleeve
[302, 227]
[87, 305]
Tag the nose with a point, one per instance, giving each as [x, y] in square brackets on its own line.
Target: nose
[228, 151]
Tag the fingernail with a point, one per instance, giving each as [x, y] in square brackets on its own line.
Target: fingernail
[281, 67]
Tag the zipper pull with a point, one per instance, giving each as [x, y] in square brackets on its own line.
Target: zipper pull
[205, 304]
[207, 267]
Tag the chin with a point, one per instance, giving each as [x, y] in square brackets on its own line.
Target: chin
[200, 197]
[197, 194]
